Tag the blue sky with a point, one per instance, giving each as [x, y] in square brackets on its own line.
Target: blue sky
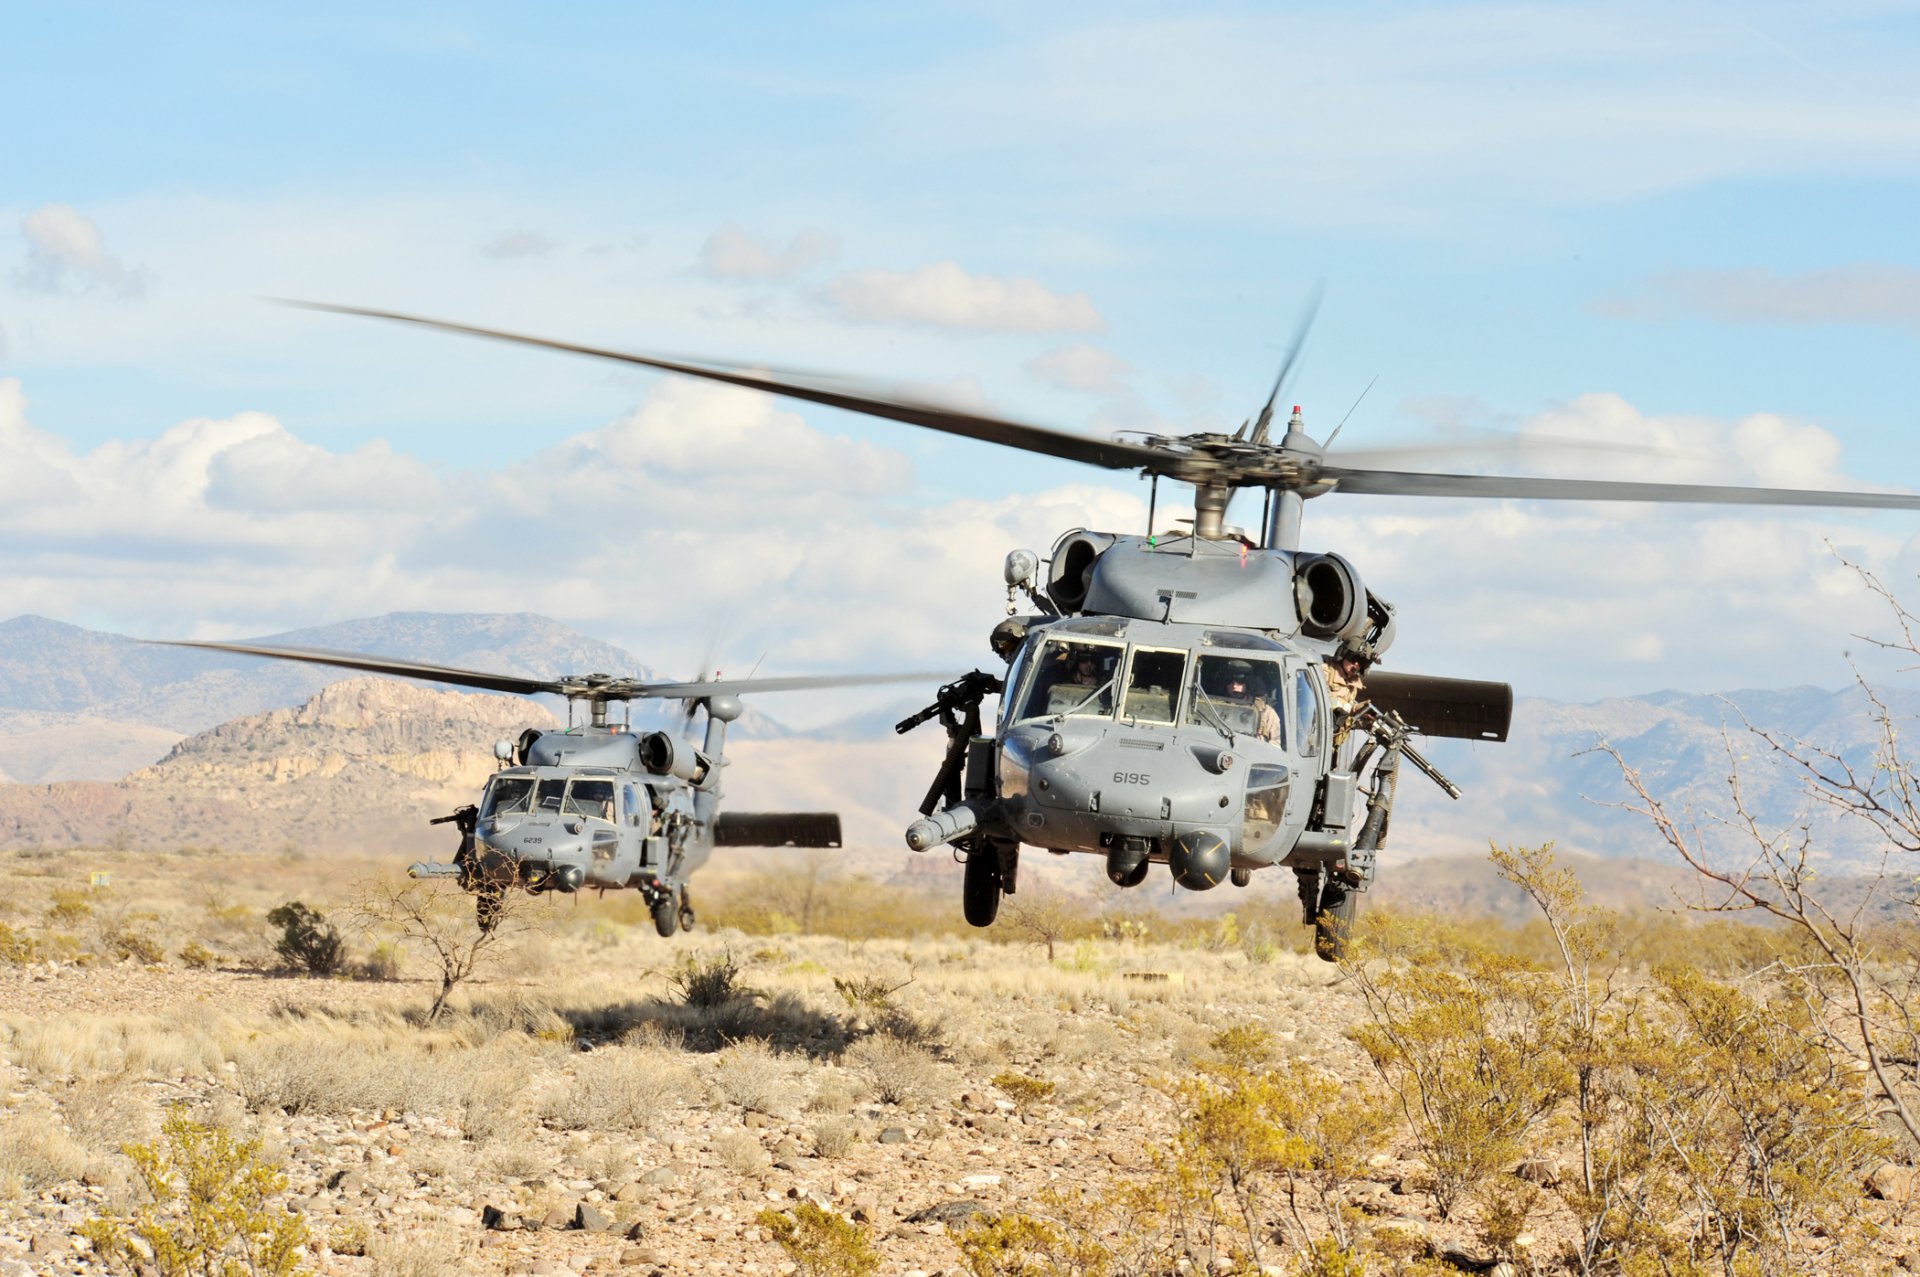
[1654, 223]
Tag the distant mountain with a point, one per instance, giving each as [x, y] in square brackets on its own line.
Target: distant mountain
[363, 763]
[99, 705]
[1548, 783]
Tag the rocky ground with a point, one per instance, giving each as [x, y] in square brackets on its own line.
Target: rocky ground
[574, 1111]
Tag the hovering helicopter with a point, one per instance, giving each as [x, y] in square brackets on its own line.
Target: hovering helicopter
[1205, 700]
[598, 805]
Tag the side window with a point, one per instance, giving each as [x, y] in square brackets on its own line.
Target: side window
[1306, 706]
[1153, 686]
[1073, 678]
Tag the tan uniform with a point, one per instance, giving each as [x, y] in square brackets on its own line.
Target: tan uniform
[1269, 720]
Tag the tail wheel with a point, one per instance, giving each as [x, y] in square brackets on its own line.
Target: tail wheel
[488, 904]
[665, 918]
[1334, 923]
[980, 894]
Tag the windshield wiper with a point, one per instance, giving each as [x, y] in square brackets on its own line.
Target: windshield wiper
[1207, 704]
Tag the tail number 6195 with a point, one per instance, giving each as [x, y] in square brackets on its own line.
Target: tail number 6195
[1132, 778]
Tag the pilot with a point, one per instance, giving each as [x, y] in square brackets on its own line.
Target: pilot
[1083, 667]
[1240, 689]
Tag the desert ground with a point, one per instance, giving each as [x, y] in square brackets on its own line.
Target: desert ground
[596, 1098]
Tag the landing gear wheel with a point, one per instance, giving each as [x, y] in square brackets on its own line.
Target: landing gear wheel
[488, 904]
[686, 913]
[980, 894]
[665, 920]
[1333, 925]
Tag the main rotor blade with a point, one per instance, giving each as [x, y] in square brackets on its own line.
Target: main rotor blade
[383, 665]
[613, 689]
[1300, 331]
[1399, 483]
[869, 401]
[755, 686]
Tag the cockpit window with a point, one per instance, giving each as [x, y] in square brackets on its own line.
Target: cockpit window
[1072, 678]
[508, 796]
[590, 798]
[1153, 685]
[1239, 694]
[1306, 693]
[552, 790]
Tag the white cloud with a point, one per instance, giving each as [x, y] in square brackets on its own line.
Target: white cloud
[1877, 293]
[1081, 367]
[516, 244]
[65, 250]
[945, 296]
[731, 253]
[706, 501]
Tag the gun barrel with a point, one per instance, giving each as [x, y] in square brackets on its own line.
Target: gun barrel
[432, 869]
[912, 721]
[1428, 770]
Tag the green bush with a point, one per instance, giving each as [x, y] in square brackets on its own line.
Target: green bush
[308, 942]
[211, 1211]
[822, 1243]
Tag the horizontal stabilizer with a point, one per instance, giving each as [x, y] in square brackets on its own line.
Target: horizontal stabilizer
[777, 829]
[1459, 707]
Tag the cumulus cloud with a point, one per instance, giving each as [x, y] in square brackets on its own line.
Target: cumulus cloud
[708, 500]
[1861, 293]
[945, 296]
[1081, 367]
[515, 244]
[731, 253]
[66, 252]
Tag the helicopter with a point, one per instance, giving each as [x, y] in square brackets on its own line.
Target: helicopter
[1206, 700]
[597, 805]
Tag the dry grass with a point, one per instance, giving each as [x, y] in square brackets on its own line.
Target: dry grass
[617, 1088]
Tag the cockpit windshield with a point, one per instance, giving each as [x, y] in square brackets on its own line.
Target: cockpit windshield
[1072, 678]
[590, 798]
[508, 796]
[1237, 694]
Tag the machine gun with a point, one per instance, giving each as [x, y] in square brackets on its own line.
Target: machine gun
[958, 705]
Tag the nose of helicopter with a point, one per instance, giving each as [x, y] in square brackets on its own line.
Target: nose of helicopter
[1082, 785]
[548, 853]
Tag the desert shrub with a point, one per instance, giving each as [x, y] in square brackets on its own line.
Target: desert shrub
[70, 906]
[750, 1075]
[619, 1088]
[1133, 1228]
[35, 1150]
[708, 983]
[900, 1072]
[134, 943]
[740, 1152]
[870, 993]
[211, 1210]
[1027, 1093]
[822, 1242]
[197, 957]
[17, 947]
[308, 942]
[419, 1252]
[307, 1071]
[833, 1136]
[105, 1113]
[1463, 1036]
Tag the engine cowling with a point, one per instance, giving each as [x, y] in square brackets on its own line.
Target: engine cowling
[664, 756]
[1330, 597]
[1072, 570]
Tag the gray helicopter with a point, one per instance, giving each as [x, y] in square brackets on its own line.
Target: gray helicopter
[1206, 700]
[597, 805]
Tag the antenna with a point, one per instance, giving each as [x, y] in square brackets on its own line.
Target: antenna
[1350, 412]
